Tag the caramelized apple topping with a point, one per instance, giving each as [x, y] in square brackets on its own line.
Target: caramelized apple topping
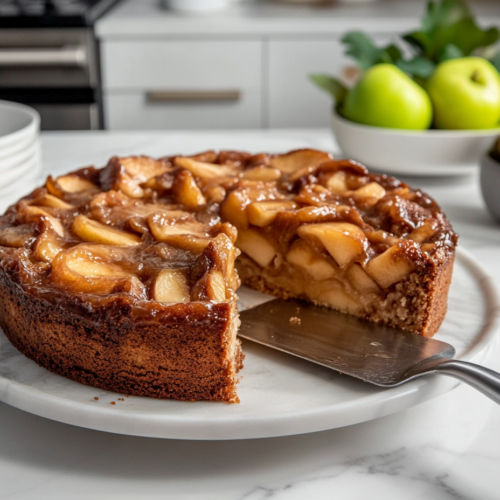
[169, 230]
[171, 285]
[80, 270]
[186, 192]
[75, 184]
[262, 213]
[49, 200]
[345, 242]
[291, 162]
[93, 231]
[17, 236]
[206, 171]
[30, 214]
[394, 264]
[257, 246]
[164, 226]
[48, 245]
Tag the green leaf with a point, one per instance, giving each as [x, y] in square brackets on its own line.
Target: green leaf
[444, 13]
[467, 36]
[447, 23]
[450, 52]
[417, 67]
[332, 86]
[393, 53]
[361, 47]
[418, 40]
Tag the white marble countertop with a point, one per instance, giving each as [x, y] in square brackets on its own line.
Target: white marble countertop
[145, 18]
[445, 449]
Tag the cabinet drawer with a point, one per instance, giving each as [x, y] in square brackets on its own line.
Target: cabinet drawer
[134, 111]
[180, 65]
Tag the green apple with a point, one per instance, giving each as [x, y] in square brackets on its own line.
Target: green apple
[466, 94]
[387, 97]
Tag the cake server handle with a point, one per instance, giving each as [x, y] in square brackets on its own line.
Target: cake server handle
[483, 379]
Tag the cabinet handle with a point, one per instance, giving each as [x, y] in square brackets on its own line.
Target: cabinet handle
[66, 57]
[192, 95]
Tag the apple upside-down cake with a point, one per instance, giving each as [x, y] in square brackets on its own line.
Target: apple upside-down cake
[124, 278]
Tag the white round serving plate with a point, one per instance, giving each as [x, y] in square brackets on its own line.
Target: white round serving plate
[280, 395]
[413, 152]
[17, 123]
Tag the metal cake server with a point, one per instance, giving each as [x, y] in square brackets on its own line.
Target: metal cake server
[377, 354]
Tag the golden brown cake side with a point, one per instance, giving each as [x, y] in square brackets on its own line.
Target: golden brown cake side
[186, 352]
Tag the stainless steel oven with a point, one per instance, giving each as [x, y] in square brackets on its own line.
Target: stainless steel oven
[49, 59]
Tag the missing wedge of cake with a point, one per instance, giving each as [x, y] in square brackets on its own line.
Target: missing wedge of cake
[125, 277]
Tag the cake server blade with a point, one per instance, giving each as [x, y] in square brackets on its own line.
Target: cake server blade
[383, 356]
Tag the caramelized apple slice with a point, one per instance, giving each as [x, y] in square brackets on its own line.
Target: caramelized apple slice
[47, 246]
[207, 171]
[190, 242]
[345, 242]
[337, 183]
[216, 287]
[75, 184]
[171, 285]
[391, 266]
[360, 280]
[164, 226]
[77, 270]
[370, 193]
[233, 209]
[337, 298]
[143, 168]
[264, 174]
[49, 200]
[256, 246]
[93, 231]
[304, 257]
[424, 232]
[262, 213]
[17, 236]
[186, 192]
[295, 160]
[129, 186]
[215, 194]
[35, 214]
[53, 188]
[227, 253]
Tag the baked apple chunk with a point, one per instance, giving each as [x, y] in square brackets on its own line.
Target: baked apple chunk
[125, 277]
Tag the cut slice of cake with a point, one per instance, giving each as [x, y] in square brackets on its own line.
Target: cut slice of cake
[124, 277]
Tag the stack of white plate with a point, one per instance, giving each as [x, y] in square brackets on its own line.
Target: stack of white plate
[20, 155]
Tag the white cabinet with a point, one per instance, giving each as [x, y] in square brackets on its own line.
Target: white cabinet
[165, 84]
[294, 101]
[219, 83]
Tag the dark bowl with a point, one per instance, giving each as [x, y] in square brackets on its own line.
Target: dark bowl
[490, 184]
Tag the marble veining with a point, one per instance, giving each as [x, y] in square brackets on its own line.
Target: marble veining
[445, 448]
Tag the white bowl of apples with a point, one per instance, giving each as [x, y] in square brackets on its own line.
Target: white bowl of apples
[432, 112]
[418, 149]
[426, 153]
